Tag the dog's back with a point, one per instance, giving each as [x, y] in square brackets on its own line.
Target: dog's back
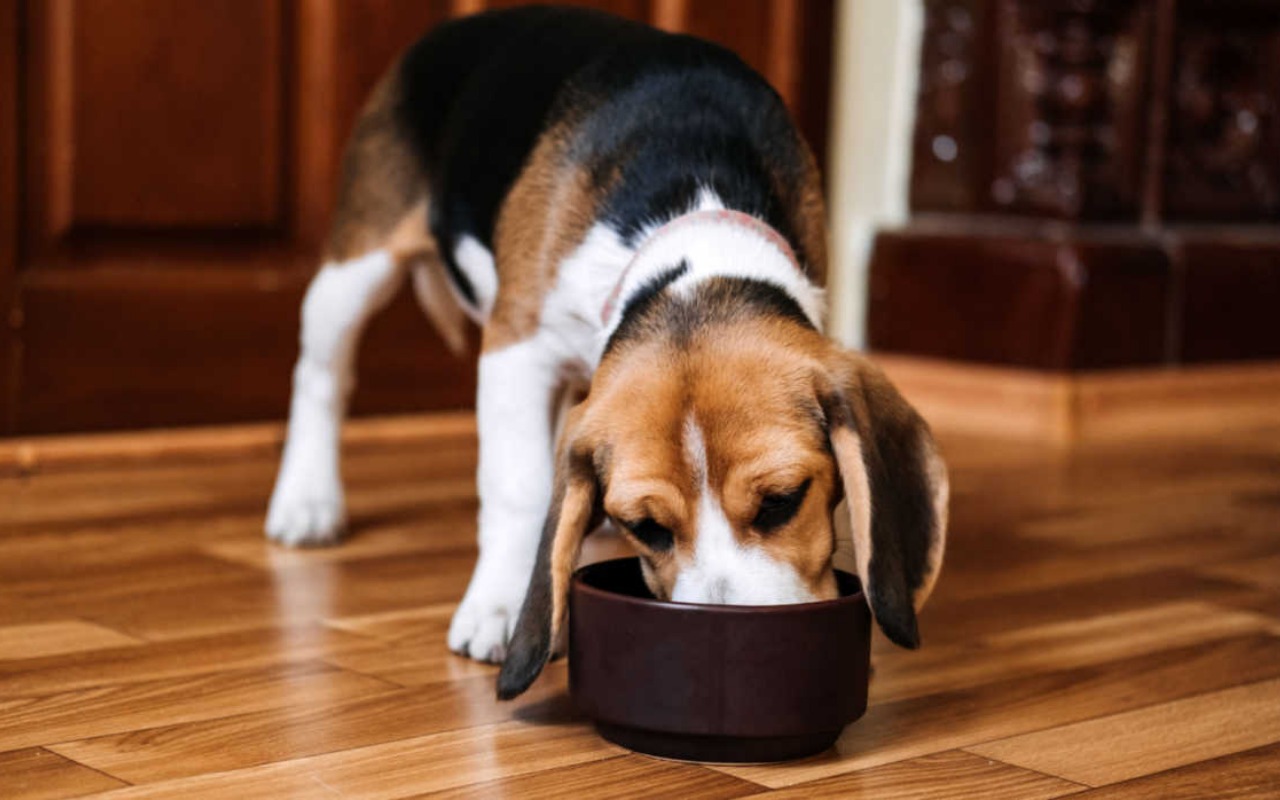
[654, 117]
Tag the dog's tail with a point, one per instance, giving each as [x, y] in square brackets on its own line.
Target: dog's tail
[438, 298]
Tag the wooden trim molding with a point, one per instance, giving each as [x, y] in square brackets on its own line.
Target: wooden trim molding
[1053, 296]
[1092, 407]
[10, 70]
[1005, 403]
[31, 454]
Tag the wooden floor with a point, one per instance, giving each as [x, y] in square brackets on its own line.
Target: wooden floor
[1108, 625]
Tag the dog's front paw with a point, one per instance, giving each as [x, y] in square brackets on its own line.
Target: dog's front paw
[481, 634]
[307, 509]
[485, 621]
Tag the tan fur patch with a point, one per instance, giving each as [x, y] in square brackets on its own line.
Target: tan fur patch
[636, 408]
[575, 516]
[381, 182]
[808, 214]
[544, 217]
[857, 492]
[941, 499]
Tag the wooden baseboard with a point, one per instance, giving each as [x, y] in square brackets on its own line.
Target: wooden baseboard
[1022, 295]
[955, 398]
[1035, 294]
[1089, 407]
[25, 455]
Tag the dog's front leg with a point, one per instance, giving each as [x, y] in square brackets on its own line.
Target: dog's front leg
[517, 388]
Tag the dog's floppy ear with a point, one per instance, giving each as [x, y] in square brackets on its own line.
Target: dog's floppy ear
[574, 511]
[895, 487]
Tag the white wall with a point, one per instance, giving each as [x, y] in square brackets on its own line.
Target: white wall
[877, 56]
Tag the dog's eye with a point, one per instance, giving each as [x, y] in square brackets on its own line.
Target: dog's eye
[777, 510]
[651, 534]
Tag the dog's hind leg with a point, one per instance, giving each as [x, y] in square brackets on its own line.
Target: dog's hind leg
[380, 227]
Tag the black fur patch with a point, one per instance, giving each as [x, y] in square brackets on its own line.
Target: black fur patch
[650, 290]
[716, 300]
[641, 302]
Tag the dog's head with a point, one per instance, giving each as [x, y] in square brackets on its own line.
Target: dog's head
[722, 450]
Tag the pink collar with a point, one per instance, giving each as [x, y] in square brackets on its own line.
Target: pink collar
[723, 216]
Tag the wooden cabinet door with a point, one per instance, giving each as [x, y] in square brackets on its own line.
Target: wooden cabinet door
[166, 173]
[179, 163]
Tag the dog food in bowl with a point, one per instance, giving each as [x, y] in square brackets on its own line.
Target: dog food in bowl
[715, 683]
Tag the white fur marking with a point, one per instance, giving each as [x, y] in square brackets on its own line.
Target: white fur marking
[476, 262]
[723, 571]
[713, 249]
[571, 310]
[307, 506]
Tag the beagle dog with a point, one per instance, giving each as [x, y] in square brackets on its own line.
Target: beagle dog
[632, 214]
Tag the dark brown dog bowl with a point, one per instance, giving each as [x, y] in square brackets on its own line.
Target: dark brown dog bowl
[715, 683]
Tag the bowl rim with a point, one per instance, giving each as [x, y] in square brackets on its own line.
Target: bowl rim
[578, 585]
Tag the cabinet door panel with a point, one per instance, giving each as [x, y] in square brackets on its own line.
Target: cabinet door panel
[217, 351]
[159, 114]
[182, 159]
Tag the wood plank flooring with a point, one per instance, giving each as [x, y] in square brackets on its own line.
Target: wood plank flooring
[1107, 625]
